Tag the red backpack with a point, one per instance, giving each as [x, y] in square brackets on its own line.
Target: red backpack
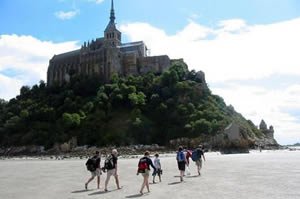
[143, 165]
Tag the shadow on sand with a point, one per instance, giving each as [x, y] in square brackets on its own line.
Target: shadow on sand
[137, 195]
[98, 193]
[103, 192]
[174, 183]
[194, 176]
[81, 191]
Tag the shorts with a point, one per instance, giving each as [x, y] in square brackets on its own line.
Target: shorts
[96, 173]
[145, 172]
[111, 172]
[181, 166]
[157, 172]
[199, 163]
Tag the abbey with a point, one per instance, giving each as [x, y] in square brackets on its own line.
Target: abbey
[104, 56]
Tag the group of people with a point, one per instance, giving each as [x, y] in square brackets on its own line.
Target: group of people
[111, 166]
[183, 159]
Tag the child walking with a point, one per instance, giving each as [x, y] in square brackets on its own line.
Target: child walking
[158, 170]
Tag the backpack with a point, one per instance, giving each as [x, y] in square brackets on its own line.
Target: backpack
[108, 163]
[143, 165]
[195, 155]
[91, 164]
[180, 157]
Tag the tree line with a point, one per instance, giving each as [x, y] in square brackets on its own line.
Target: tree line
[127, 110]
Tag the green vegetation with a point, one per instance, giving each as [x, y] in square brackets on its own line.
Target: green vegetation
[143, 109]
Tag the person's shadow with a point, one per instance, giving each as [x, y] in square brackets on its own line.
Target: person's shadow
[174, 183]
[98, 193]
[136, 195]
[194, 176]
[81, 191]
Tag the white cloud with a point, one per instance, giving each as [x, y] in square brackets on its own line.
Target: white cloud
[234, 53]
[24, 61]
[96, 1]
[232, 24]
[66, 15]
[272, 105]
[9, 87]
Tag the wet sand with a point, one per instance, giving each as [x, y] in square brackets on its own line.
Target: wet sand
[266, 175]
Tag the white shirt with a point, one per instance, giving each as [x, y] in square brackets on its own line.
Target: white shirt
[157, 163]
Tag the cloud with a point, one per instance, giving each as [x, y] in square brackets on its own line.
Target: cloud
[24, 61]
[9, 87]
[66, 15]
[96, 1]
[240, 62]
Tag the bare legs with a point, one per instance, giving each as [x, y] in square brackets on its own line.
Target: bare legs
[92, 178]
[199, 166]
[106, 181]
[116, 179]
[159, 176]
[181, 175]
[145, 183]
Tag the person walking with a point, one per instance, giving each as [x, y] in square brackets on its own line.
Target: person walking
[157, 170]
[93, 165]
[188, 155]
[144, 169]
[200, 155]
[181, 162]
[111, 165]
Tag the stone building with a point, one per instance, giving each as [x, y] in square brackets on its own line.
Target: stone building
[104, 56]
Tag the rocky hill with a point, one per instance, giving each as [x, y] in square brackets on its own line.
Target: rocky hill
[172, 108]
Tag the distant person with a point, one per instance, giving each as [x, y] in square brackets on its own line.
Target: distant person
[181, 161]
[111, 165]
[197, 156]
[157, 170]
[188, 155]
[93, 165]
[144, 169]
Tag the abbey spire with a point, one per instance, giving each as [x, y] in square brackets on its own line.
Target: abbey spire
[111, 32]
[112, 12]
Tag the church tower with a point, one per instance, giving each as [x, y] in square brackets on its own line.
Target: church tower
[111, 33]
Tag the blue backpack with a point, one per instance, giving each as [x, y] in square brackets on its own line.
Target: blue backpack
[195, 155]
[180, 156]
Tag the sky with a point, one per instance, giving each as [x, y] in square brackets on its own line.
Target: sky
[249, 50]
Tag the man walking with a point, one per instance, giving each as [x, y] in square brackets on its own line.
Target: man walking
[111, 164]
[200, 154]
[93, 165]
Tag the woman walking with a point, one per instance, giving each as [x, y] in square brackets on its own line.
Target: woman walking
[144, 169]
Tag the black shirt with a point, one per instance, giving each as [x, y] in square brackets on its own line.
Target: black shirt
[200, 153]
[114, 160]
[98, 160]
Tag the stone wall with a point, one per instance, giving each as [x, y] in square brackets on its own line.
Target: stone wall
[155, 64]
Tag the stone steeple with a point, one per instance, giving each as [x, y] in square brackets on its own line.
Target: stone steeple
[112, 12]
[111, 33]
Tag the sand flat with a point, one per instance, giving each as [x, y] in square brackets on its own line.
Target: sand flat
[266, 175]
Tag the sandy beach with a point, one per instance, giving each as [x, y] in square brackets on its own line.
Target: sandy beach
[266, 175]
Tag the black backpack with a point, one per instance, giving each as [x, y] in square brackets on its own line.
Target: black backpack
[109, 163]
[91, 164]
